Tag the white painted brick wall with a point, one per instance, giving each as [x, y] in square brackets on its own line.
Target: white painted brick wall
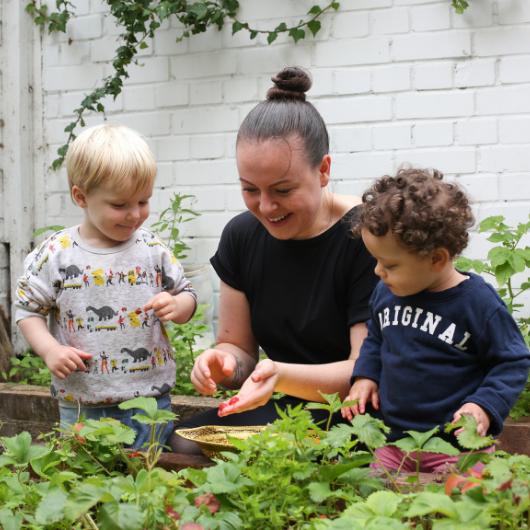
[396, 80]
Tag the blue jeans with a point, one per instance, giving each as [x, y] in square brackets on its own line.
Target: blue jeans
[70, 415]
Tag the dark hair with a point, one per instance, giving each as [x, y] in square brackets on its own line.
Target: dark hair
[420, 209]
[286, 113]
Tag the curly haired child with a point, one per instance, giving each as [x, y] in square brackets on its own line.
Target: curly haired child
[440, 343]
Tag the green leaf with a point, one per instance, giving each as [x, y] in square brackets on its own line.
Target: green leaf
[147, 404]
[319, 491]
[314, 26]
[44, 229]
[296, 34]
[490, 223]
[330, 472]
[315, 10]
[421, 437]
[51, 507]
[503, 273]
[271, 37]
[19, 449]
[438, 445]
[237, 26]
[469, 437]
[370, 431]
[383, 503]
[426, 503]
[498, 256]
[9, 520]
[121, 516]
[517, 261]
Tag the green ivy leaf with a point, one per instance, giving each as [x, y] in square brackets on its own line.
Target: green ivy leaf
[314, 26]
[296, 34]
[237, 26]
[271, 37]
[315, 10]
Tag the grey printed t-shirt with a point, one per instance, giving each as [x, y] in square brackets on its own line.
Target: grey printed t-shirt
[93, 299]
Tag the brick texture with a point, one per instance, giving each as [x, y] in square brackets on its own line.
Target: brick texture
[396, 81]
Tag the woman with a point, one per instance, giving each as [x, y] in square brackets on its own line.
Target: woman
[293, 280]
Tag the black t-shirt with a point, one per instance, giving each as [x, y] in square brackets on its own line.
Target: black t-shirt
[303, 294]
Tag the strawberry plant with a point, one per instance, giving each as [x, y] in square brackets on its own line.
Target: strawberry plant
[293, 476]
[508, 263]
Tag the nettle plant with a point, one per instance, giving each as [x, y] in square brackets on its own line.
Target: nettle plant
[295, 475]
[508, 262]
[140, 20]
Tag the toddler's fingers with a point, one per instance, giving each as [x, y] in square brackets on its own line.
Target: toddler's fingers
[375, 400]
[83, 354]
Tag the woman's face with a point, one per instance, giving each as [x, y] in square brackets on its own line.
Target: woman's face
[281, 188]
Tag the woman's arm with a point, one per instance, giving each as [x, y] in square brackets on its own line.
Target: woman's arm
[300, 380]
[235, 355]
[306, 380]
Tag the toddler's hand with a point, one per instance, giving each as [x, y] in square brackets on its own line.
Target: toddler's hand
[63, 360]
[165, 306]
[363, 390]
[480, 415]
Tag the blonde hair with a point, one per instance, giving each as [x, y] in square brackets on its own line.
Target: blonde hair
[110, 154]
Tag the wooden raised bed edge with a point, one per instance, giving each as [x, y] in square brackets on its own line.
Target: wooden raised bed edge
[31, 408]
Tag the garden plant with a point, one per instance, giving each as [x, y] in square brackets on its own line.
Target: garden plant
[294, 475]
[139, 21]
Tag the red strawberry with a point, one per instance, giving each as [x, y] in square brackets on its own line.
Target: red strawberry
[210, 500]
[233, 400]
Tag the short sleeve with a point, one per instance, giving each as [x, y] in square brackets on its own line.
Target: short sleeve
[361, 283]
[226, 260]
[174, 280]
[35, 292]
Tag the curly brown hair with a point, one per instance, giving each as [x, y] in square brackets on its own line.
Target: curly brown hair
[422, 210]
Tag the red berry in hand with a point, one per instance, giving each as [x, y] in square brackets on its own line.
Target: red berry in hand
[233, 400]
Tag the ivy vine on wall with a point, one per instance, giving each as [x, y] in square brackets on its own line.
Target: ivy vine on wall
[140, 19]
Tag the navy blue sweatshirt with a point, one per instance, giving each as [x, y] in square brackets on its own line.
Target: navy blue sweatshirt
[434, 351]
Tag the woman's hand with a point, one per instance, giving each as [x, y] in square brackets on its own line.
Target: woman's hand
[255, 391]
[212, 367]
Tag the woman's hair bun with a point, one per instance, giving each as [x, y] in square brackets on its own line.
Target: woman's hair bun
[291, 83]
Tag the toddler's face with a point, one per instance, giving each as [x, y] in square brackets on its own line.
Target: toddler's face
[403, 272]
[112, 216]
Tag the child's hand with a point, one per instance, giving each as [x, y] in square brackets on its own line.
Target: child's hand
[363, 390]
[63, 360]
[165, 307]
[480, 415]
